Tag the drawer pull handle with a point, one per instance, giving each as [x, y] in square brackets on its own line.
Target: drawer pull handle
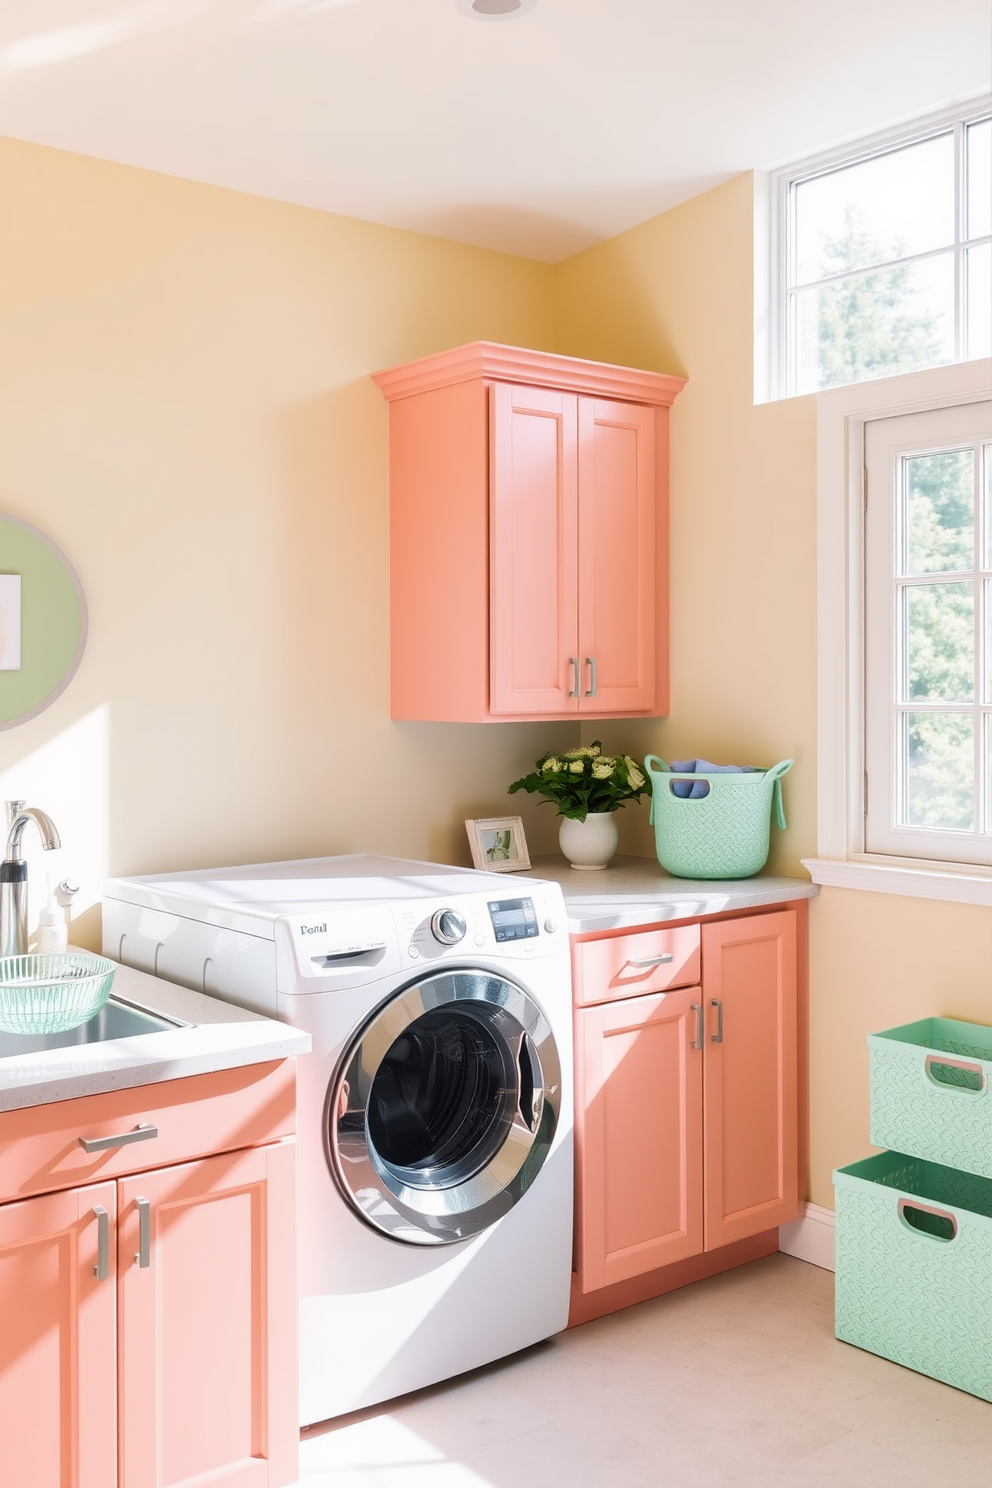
[718, 1036]
[697, 1008]
[142, 1133]
[102, 1268]
[143, 1254]
[652, 961]
[591, 664]
[573, 662]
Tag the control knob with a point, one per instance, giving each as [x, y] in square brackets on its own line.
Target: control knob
[448, 926]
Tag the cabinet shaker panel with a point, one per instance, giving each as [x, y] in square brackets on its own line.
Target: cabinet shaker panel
[618, 570]
[58, 1340]
[638, 1136]
[750, 1082]
[208, 1349]
[533, 537]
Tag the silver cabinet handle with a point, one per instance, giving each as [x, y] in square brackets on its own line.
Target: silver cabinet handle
[591, 664]
[142, 1133]
[573, 662]
[102, 1268]
[143, 1254]
[718, 1036]
[652, 961]
[697, 1042]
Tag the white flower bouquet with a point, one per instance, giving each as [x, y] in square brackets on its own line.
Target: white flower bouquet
[585, 780]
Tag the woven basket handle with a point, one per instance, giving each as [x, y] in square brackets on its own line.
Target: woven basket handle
[775, 774]
[654, 764]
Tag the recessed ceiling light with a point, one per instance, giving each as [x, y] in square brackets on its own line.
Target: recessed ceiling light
[495, 10]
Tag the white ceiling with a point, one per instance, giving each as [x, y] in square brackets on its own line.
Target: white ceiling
[538, 135]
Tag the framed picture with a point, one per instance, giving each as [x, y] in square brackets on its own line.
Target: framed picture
[498, 843]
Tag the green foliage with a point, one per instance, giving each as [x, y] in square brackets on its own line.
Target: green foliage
[940, 640]
[867, 325]
[941, 784]
[584, 780]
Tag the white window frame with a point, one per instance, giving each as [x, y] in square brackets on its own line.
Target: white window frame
[842, 414]
[780, 182]
[892, 447]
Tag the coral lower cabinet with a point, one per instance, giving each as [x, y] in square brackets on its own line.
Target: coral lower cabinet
[148, 1312]
[686, 1092]
[528, 536]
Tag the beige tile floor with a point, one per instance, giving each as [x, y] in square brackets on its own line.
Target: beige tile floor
[736, 1381]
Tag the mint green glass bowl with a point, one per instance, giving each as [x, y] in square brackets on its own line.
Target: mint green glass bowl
[49, 993]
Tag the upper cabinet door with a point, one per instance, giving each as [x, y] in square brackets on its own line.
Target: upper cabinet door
[58, 1340]
[749, 1084]
[618, 579]
[533, 531]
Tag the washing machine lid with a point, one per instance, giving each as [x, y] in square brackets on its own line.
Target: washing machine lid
[444, 1109]
[252, 897]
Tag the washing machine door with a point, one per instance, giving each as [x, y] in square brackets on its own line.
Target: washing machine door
[443, 1111]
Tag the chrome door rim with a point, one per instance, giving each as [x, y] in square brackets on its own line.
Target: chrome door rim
[443, 1214]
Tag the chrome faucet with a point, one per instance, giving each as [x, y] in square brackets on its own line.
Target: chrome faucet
[14, 875]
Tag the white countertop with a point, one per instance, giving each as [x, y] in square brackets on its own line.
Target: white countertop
[220, 1036]
[637, 891]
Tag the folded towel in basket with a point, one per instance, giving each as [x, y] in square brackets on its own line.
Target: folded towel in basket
[696, 789]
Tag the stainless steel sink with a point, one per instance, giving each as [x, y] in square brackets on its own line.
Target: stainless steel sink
[114, 1020]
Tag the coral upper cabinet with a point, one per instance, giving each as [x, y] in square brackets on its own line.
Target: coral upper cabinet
[529, 536]
[686, 1098]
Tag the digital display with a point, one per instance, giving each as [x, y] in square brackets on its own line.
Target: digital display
[513, 919]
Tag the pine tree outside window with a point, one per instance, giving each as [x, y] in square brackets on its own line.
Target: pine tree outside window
[886, 256]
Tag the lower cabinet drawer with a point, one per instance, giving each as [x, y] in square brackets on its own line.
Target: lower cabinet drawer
[41, 1147]
[629, 965]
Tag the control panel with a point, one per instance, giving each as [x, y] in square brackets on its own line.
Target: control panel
[513, 919]
[482, 924]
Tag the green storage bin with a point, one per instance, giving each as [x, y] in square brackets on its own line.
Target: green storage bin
[914, 1267]
[720, 835]
[930, 1092]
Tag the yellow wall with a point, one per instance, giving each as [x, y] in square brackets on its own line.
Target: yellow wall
[675, 294]
[185, 407]
[877, 961]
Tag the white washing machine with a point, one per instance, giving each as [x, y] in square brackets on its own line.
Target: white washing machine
[435, 1111]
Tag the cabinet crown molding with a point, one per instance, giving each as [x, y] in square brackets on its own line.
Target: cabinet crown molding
[487, 359]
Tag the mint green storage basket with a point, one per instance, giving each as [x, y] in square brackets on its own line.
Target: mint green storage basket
[930, 1092]
[914, 1267]
[720, 835]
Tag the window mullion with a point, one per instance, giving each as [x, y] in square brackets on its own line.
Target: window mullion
[960, 207]
[846, 275]
[981, 670]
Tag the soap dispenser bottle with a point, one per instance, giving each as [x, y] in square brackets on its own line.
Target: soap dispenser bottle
[53, 932]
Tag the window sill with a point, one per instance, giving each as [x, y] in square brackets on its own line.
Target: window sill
[917, 880]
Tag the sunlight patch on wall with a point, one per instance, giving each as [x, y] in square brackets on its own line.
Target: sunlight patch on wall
[69, 777]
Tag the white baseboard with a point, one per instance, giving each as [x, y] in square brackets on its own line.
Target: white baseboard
[810, 1237]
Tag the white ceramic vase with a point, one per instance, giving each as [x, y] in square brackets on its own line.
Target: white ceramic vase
[590, 843]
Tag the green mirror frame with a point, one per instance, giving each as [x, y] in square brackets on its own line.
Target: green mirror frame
[53, 621]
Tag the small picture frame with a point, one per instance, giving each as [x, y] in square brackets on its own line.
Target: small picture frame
[498, 844]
